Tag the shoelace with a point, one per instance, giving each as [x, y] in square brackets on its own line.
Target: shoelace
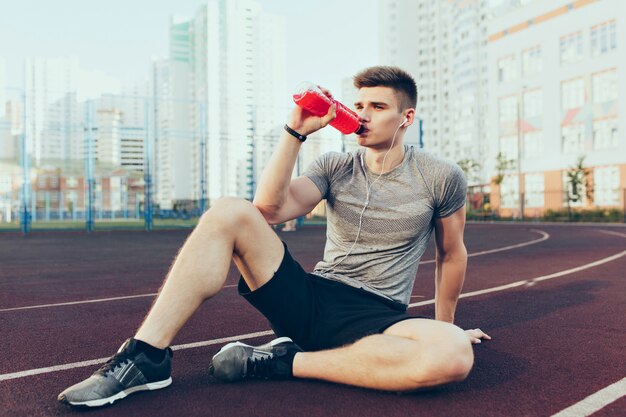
[114, 362]
[260, 367]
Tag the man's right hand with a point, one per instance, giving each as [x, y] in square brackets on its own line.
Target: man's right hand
[305, 123]
[477, 335]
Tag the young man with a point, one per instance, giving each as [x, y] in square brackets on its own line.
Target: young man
[346, 322]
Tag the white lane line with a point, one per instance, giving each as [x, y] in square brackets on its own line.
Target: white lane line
[595, 401]
[98, 300]
[31, 372]
[22, 374]
[610, 232]
[545, 236]
[532, 281]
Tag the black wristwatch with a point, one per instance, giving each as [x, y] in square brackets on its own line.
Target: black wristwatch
[295, 134]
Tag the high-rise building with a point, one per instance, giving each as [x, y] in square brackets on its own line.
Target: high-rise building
[400, 38]
[108, 141]
[53, 124]
[161, 96]
[442, 44]
[117, 144]
[226, 81]
[11, 126]
[7, 140]
[555, 79]
[3, 86]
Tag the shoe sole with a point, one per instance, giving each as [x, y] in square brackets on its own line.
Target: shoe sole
[229, 376]
[122, 394]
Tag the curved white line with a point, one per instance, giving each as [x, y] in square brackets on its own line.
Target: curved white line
[527, 282]
[545, 236]
[610, 232]
[532, 281]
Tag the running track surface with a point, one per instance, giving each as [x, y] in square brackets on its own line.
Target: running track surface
[557, 340]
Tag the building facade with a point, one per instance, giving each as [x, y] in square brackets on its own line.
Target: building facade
[53, 122]
[226, 86]
[443, 45]
[555, 77]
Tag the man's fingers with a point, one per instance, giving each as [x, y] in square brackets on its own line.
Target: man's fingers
[477, 334]
[483, 334]
[332, 113]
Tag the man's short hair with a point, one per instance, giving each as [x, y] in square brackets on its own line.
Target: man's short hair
[397, 79]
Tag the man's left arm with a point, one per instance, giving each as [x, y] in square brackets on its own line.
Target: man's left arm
[451, 262]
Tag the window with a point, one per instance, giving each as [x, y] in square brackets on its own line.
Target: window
[533, 190]
[508, 109]
[508, 147]
[507, 68]
[603, 38]
[604, 86]
[533, 103]
[532, 144]
[531, 61]
[606, 186]
[509, 192]
[571, 48]
[605, 133]
[572, 93]
[573, 138]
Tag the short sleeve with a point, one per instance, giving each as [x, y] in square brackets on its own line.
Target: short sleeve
[326, 169]
[450, 191]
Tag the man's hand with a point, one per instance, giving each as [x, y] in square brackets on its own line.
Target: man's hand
[475, 335]
[305, 123]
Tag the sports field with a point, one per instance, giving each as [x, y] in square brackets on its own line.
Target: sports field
[553, 298]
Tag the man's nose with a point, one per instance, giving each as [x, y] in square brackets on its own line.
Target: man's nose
[364, 115]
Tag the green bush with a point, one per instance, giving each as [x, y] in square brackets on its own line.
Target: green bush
[584, 215]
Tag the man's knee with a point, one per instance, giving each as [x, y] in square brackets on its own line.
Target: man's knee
[448, 358]
[457, 356]
[461, 361]
[230, 213]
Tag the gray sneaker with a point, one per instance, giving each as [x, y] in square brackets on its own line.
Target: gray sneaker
[126, 372]
[237, 361]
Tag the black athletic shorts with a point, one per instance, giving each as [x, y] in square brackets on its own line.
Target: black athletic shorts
[318, 313]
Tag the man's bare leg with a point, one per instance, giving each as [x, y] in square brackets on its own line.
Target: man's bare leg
[411, 354]
[231, 229]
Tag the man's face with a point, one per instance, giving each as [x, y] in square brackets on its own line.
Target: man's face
[378, 110]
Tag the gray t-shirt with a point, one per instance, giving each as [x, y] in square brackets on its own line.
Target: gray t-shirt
[397, 223]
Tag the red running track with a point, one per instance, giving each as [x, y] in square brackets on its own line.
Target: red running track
[555, 341]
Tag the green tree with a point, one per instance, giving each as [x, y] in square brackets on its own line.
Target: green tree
[471, 169]
[578, 182]
[502, 166]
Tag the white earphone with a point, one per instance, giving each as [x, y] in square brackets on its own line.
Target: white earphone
[367, 196]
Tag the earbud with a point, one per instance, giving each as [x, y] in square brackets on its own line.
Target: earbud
[406, 120]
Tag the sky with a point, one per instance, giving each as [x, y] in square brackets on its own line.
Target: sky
[327, 40]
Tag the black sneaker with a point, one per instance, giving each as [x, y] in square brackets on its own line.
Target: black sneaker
[237, 361]
[125, 372]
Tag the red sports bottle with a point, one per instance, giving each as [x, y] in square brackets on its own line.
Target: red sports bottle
[310, 97]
